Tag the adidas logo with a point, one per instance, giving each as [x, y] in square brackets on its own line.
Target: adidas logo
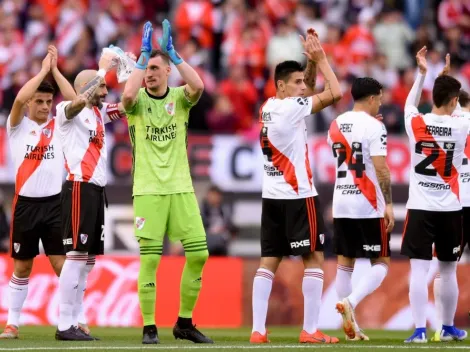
[198, 279]
[150, 284]
[149, 110]
[87, 121]
[33, 133]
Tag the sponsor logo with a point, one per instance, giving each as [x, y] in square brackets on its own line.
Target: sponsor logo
[16, 247]
[87, 121]
[374, 248]
[456, 250]
[139, 223]
[83, 238]
[434, 186]
[383, 139]
[47, 132]
[297, 244]
[33, 133]
[67, 241]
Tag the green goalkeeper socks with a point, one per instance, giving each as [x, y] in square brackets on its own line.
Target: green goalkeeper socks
[191, 281]
[150, 255]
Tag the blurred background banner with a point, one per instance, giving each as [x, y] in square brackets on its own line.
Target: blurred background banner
[225, 300]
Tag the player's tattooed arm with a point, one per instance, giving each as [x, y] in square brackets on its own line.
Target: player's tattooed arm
[310, 77]
[86, 95]
[330, 95]
[383, 176]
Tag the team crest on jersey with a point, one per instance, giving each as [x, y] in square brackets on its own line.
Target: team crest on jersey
[47, 132]
[139, 223]
[170, 108]
[16, 247]
[83, 238]
[322, 238]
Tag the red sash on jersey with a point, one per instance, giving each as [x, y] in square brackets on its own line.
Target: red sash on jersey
[28, 166]
[419, 127]
[467, 148]
[364, 183]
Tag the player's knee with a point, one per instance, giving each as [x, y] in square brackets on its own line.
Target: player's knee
[198, 258]
[23, 268]
[149, 261]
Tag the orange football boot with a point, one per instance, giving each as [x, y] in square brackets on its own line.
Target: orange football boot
[256, 337]
[317, 337]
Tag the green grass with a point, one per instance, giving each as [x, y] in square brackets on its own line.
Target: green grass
[282, 339]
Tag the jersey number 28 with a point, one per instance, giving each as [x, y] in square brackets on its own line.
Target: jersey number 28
[339, 152]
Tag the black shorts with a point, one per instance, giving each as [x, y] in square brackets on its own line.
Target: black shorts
[83, 217]
[423, 228]
[291, 227]
[361, 238]
[466, 227]
[35, 219]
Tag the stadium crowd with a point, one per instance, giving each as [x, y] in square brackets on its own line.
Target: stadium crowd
[235, 45]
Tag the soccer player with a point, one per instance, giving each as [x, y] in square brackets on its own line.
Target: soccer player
[291, 221]
[362, 202]
[37, 155]
[437, 142]
[463, 112]
[82, 132]
[164, 199]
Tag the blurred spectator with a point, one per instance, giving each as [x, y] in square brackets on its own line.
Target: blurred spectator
[392, 113]
[222, 118]
[403, 87]
[383, 73]
[393, 37]
[306, 17]
[193, 18]
[285, 44]
[242, 94]
[435, 65]
[217, 219]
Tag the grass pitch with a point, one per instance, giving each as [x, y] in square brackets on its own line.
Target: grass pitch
[282, 339]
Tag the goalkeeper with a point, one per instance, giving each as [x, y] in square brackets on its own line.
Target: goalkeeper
[164, 199]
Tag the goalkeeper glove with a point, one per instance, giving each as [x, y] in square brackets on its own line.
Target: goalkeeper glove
[146, 48]
[166, 43]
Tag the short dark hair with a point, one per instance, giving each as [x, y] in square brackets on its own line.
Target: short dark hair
[365, 87]
[464, 99]
[46, 87]
[162, 54]
[445, 89]
[285, 69]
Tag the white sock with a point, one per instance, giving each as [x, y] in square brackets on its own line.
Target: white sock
[74, 266]
[78, 315]
[419, 290]
[449, 291]
[18, 290]
[343, 281]
[312, 289]
[368, 284]
[438, 300]
[262, 285]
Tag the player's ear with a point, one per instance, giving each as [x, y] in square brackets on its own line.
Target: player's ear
[281, 85]
[168, 70]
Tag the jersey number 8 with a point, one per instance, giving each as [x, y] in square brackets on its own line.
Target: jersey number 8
[339, 152]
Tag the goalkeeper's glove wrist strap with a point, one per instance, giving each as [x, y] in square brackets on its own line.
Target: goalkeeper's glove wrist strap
[143, 60]
[175, 58]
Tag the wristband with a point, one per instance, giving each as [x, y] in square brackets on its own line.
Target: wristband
[143, 61]
[101, 72]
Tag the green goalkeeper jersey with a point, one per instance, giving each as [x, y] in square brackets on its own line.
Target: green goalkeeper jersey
[158, 128]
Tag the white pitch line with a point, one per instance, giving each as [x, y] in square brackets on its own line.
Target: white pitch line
[437, 346]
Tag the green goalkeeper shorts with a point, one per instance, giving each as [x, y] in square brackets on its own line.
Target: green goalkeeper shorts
[176, 215]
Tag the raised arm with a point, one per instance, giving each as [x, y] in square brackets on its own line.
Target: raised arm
[414, 95]
[65, 87]
[133, 84]
[194, 85]
[310, 74]
[27, 92]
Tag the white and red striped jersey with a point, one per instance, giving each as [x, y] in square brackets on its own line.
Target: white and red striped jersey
[355, 138]
[37, 155]
[84, 142]
[464, 171]
[437, 145]
[283, 137]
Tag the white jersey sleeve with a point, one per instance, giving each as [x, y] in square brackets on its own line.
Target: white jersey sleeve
[298, 108]
[378, 139]
[15, 130]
